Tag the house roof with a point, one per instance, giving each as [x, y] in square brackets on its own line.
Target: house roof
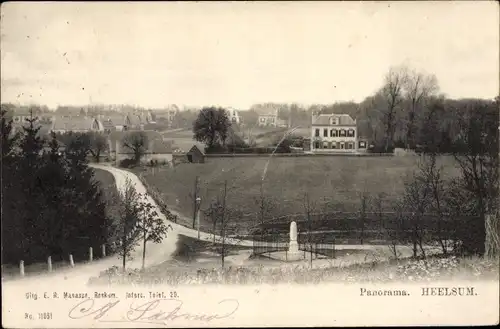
[72, 123]
[113, 119]
[324, 120]
[195, 148]
[159, 145]
[135, 119]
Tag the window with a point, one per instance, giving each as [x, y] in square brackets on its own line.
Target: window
[334, 145]
[316, 145]
[317, 133]
[325, 132]
[350, 133]
[342, 133]
[333, 133]
[333, 121]
[325, 145]
[362, 145]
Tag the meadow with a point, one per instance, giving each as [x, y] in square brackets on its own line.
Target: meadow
[330, 183]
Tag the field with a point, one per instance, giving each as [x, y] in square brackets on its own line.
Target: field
[331, 183]
[182, 139]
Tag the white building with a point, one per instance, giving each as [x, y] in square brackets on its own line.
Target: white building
[233, 115]
[335, 133]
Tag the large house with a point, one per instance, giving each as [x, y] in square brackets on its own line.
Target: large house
[335, 133]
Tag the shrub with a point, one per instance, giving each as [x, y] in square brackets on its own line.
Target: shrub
[127, 163]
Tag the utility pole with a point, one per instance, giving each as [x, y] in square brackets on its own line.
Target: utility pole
[198, 203]
[195, 198]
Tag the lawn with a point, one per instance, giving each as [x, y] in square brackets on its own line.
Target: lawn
[332, 183]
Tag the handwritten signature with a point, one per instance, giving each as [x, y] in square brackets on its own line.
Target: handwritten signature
[158, 311]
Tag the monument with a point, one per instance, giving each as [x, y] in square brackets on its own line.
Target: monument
[293, 248]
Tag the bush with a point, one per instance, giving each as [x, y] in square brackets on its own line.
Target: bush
[127, 163]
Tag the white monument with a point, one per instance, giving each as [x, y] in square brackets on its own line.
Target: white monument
[293, 248]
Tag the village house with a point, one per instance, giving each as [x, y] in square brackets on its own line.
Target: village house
[335, 133]
[156, 149]
[63, 124]
[271, 120]
[233, 115]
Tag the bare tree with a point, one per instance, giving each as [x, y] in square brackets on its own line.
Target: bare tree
[137, 143]
[264, 205]
[364, 200]
[97, 145]
[393, 93]
[309, 210]
[225, 220]
[478, 158]
[416, 200]
[417, 87]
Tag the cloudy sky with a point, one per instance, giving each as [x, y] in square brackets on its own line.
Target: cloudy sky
[236, 54]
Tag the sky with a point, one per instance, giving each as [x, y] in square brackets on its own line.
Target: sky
[237, 54]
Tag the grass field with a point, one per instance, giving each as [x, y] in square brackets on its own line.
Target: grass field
[332, 183]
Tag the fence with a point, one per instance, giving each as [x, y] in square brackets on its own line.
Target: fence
[58, 263]
[373, 228]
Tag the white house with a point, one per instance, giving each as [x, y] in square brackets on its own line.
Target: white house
[335, 133]
[233, 115]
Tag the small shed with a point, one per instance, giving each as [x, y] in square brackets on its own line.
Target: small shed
[195, 155]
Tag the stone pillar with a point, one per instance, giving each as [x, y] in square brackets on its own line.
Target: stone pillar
[293, 248]
[91, 255]
[49, 263]
[71, 261]
[103, 249]
[21, 267]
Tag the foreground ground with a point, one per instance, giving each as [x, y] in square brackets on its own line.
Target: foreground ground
[332, 183]
[196, 262]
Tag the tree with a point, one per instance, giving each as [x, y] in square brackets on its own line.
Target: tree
[476, 152]
[416, 202]
[265, 206]
[137, 142]
[418, 86]
[309, 209]
[211, 127]
[127, 228]
[225, 220]
[97, 145]
[393, 94]
[151, 227]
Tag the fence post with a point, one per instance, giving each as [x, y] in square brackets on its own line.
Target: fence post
[91, 256]
[103, 250]
[71, 261]
[49, 262]
[21, 267]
